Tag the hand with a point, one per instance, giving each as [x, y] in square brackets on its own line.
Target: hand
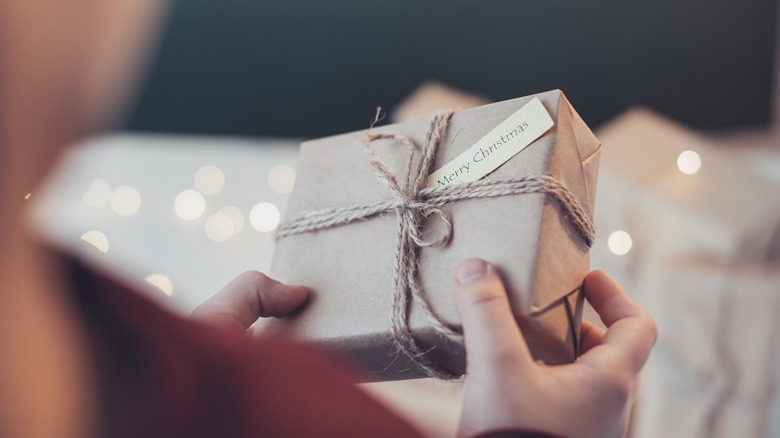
[248, 297]
[506, 389]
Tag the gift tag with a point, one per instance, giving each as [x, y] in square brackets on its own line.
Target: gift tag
[496, 148]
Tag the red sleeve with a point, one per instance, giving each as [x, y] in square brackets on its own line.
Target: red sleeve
[161, 375]
[516, 434]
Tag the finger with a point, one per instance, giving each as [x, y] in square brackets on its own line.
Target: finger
[630, 333]
[608, 298]
[591, 335]
[248, 297]
[490, 332]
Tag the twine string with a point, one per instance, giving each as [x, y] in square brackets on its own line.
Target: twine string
[409, 202]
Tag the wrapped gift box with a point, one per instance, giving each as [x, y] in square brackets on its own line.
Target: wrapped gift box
[700, 261]
[714, 370]
[350, 268]
[721, 208]
[433, 96]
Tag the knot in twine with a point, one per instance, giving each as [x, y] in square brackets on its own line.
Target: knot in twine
[408, 203]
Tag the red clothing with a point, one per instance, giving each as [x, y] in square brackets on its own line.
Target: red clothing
[161, 375]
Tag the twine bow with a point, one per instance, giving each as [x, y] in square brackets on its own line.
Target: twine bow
[409, 202]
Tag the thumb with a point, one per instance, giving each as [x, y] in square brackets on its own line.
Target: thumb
[490, 332]
[248, 297]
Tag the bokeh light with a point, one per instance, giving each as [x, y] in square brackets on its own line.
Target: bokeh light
[237, 217]
[98, 194]
[619, 242]
[125, 200]
[281, 179]
[689, 162]
[96, 239]
[161, 282]
[219, 227]
[189, 205]
[264, 217]
[209, 180]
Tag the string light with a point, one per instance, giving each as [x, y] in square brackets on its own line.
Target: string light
[209, 180]
[619, 243]
[98, 194]
[96, 239]
[189, 205]
[161, 282]
[281, 179]
[125, 200]
[264, 217]
[237, 217]
[689, 162]
[219, 227]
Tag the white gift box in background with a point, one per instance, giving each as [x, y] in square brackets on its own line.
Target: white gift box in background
[657, 174]
[660, 211]
[714, 372]
[180, 216]
[649, 209]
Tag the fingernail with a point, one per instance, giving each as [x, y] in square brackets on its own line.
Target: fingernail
[471, 269]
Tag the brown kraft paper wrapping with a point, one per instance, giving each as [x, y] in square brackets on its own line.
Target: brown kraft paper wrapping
[349, 268]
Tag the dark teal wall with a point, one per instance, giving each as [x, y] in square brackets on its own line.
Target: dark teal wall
[317, 67]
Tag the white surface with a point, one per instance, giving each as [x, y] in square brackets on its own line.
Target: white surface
[197, 259]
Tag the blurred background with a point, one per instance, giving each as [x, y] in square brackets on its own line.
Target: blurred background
[187, 192]
[309, 68]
